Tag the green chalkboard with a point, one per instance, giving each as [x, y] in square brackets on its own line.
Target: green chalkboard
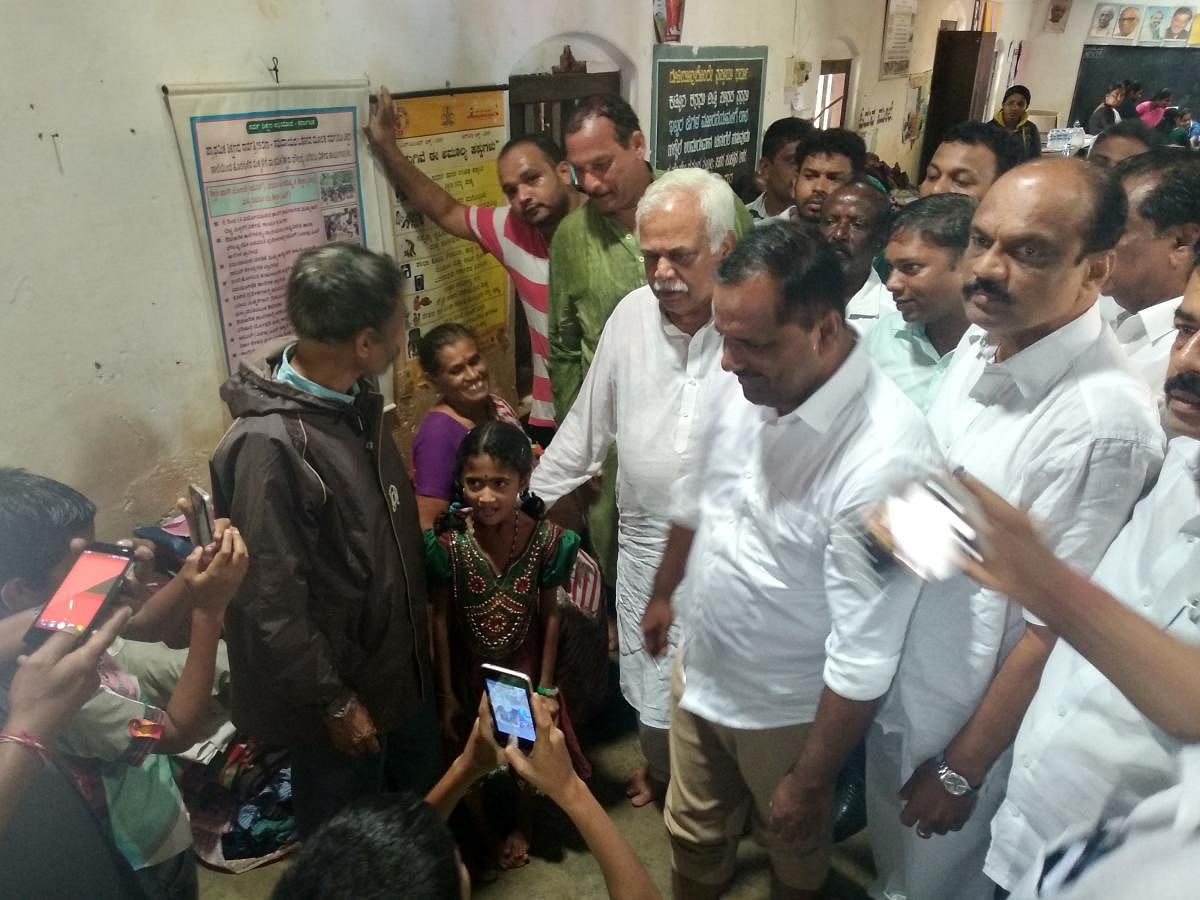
[1174, 68]
[706, 103]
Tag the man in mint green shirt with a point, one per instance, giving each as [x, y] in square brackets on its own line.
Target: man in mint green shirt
[915, 344]
[595, 260]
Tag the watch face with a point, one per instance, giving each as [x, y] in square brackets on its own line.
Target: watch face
[954, 783]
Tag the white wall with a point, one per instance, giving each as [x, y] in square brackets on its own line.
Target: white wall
[111, 358]
[1051, 61]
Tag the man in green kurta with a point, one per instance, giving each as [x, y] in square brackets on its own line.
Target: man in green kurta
[595, 260]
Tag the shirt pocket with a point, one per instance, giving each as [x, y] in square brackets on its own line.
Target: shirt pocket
[788, 536]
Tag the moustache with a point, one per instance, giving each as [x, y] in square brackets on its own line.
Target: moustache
[668, 286]
[1187, 382]
[986, 286]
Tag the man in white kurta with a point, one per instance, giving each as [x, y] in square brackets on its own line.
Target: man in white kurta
[1040, 405]
[1085, 751]
[641, 394]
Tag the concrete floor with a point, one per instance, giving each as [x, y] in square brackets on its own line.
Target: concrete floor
[562, 866]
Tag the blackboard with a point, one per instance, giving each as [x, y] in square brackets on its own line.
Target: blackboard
[1174, 68]
[706, 104]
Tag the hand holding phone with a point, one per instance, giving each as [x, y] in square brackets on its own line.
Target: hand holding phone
[926, 526]
[509, 694]
[547, 767]
[89, 589]
[200, 519]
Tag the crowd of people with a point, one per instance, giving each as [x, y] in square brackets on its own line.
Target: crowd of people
[1125, 102]
[726, 391]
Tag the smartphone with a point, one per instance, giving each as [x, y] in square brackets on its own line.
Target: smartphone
[85, 594]
[509, 695]
[925, 526]
[202, 515]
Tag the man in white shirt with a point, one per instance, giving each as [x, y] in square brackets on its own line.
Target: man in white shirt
[1154, 254]
[854, 219]
[641, 395]
[1039, 404]
[790, 635]
[777, 167]
[915, 344]
[1085, 750]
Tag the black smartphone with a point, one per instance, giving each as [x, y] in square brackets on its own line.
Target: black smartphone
[202, 515]
[87, 592]
[509, 696]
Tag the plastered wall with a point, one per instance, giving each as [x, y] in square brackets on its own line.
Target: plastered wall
[111, 357]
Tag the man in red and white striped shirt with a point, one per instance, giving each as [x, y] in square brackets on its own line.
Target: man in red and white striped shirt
[536, 179]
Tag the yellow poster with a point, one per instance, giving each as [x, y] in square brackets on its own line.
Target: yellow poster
[454, 139]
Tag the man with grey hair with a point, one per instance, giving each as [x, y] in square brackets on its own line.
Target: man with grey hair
[640, 394]
[328, 640]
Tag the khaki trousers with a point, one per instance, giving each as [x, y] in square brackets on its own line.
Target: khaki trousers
[721, 778]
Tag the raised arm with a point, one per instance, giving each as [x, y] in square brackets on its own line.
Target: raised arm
[586, 434]
[419, 190]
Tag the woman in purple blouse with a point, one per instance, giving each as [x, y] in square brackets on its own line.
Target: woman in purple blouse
[456, 369]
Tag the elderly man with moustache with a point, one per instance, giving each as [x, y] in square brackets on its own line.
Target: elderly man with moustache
[641, 395]
[595, 261]
[1040, 405]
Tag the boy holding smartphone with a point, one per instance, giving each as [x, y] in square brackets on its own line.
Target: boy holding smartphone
[117, 745]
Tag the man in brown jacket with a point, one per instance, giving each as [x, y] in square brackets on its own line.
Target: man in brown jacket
[328, 645]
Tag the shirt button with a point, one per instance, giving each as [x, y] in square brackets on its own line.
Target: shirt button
[1027, 762]
[747, 474]
[1062, 710]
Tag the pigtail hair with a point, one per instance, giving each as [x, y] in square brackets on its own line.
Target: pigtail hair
[452, 519]
[532, 505]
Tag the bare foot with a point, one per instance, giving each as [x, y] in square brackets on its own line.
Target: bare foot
[514, 851]
[640, 788]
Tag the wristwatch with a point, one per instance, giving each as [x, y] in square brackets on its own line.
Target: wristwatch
[954, 783]
[340, 707]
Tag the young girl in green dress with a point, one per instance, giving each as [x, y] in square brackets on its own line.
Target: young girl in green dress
[495, 567]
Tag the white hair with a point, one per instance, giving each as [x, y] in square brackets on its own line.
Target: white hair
[713, 194]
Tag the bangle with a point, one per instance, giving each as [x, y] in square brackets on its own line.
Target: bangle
[25, 739]
[551, 692]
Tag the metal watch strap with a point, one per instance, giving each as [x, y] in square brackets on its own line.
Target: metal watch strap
[340, 708]
[953, 782]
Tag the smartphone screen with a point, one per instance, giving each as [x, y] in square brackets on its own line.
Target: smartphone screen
[928, 529]
[510, 708]
[78, 600]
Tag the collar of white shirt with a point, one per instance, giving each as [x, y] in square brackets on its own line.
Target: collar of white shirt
[1037, 367]
[829, 402]
[1149, 324]
[865, 303]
